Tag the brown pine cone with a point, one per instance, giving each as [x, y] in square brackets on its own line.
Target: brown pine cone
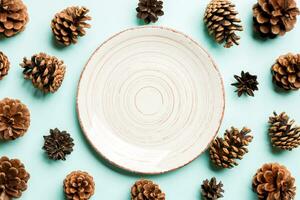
[284, 134]
[69, 24]
[14, 119]
[4, 65]
[211, 190]
[222, 22]
[150, 10]
[274, 181]
[274, 17]
[286, 71]
[224, 152]
[13, 17]
[58, 144]
[146, 190]
[45, 72]
[13, 178]
[246, 84]
[79, 185]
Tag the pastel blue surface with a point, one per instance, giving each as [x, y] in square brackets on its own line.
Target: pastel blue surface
[58, 110]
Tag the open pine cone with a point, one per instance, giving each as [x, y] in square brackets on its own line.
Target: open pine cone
[246, 84]
[150, 10]
[45, 72]
[211, 190]
[13, 17]
[224, 152]
[13, 178]
[70, 24]
[284, 134]
[274, 17]
[79, 185]
[4, 65]
[222, 22]
[286, 71]
[58, 144]
[146, 190]
[274, 181]
[14, 119]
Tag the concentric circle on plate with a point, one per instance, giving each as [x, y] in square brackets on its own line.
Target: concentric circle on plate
[150, 100]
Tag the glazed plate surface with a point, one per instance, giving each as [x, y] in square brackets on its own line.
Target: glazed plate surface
[150, 100]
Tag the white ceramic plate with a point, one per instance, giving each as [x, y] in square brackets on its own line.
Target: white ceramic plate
[150, 100]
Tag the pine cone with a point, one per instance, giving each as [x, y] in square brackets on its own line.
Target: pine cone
[146, 190]
[14, 119]
[69, 24]
[274, 17]
[222, 22]
[4, 65]
[274, 181]
[246, 84]
[46, 72]
[224, 152]
[284, 134]
[58, 144]
[13, 178]
[79, 185]
[13, 17]
[286, 71]
[150, 10]
[211, 190]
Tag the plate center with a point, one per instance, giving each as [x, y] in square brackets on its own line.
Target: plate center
[149, 100]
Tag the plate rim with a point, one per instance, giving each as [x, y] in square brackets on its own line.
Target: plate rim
[85, 132]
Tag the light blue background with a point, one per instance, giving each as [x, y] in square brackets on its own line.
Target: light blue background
[58, 110]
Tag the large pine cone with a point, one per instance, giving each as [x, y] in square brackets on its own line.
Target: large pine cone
[13, 17]
[4, 65]
[211, 190]
[69, 24]
[46, 72]
[286, 71]
[14, 119]
[79, 185]
[224, 152]
[222, 22]
[274, 181]
[146, 190]
[274, 17]
[284, 134]
[150, 10]
[13, 178]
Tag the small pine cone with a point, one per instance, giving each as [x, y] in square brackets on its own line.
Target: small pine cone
[69, 24]
[224, 152]
[246, 84]
[13, 178]
[286, 71]
[13, 17]
[211, 190]
[79, 185]
[4, 65]
[284, 134]
[274, 17]
[14, 119]
[222, 22]
[150, 10]
[146, 190]
[45, 72]
[274, 181]
[58, 144]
